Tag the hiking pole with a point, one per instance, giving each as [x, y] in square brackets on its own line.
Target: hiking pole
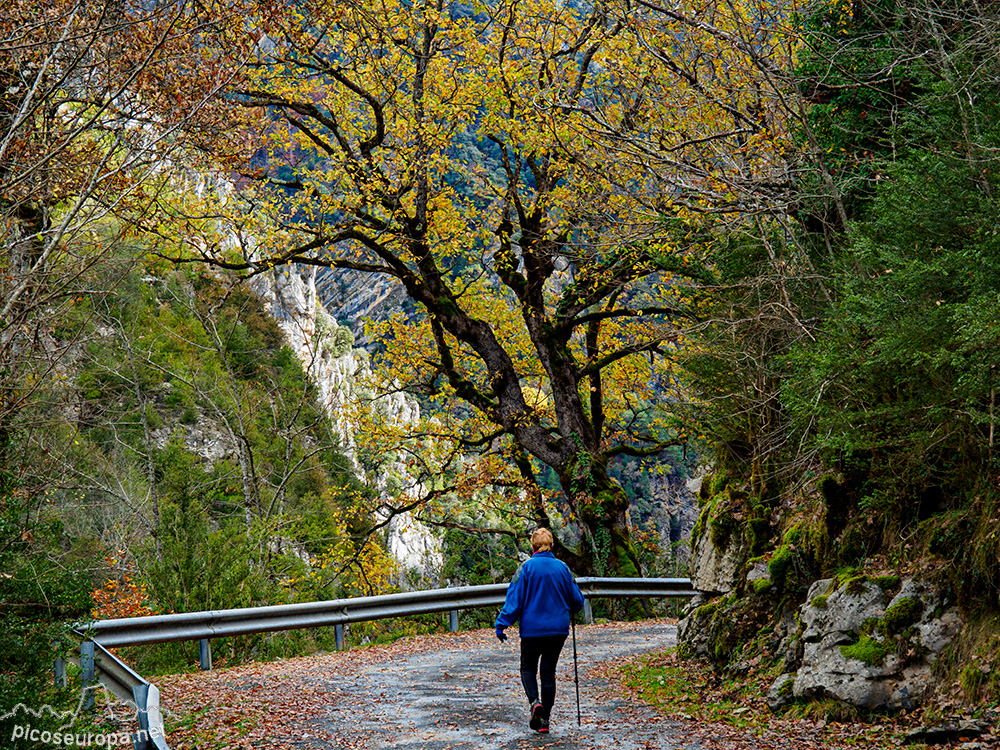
[576, 673]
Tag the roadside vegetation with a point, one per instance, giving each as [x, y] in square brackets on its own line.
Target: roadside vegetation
[732, 710]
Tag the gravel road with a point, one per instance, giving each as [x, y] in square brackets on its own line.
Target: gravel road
[462, 691]
[466, 694]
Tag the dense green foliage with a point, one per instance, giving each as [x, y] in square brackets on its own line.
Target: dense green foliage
[39, 593]
[896, 388]
[849, 377]
[194, 470]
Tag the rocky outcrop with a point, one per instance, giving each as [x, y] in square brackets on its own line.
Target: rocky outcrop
[719, 552]
[205, 437]
[326, 351]
[715, 569]
[358, 297]
[691, 630]
[719, 548]
[324, 348]
[675, 509]
[870, 642]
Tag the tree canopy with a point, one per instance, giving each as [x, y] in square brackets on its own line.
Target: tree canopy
[554, 264]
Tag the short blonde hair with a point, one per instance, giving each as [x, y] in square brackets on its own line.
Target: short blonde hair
[541, 540]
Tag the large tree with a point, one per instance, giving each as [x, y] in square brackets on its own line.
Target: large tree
[536, 176]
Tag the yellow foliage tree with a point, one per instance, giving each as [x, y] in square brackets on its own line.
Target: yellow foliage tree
[553, 263]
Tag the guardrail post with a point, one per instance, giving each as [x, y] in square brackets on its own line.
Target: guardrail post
[205, 652]
[151, 734]
[588, 612]
[87, 674]
[338, 633]
[453, 620]
[59, 669]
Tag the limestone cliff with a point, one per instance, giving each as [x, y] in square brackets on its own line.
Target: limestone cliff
[327, 353]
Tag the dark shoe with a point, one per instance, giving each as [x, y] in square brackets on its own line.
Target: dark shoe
[537, 711]
[544, 726]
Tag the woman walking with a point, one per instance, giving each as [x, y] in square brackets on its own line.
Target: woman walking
[541, 596]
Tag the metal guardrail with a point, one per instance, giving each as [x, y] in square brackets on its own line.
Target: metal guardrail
[191, 626]
[188, 626]
[635, 588]
[98, 664]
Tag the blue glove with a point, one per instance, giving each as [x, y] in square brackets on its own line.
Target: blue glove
[501, 636]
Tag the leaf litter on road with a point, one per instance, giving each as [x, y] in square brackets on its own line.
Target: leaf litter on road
[333, 700]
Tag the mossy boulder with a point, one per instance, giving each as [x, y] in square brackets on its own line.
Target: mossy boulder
[718, 557]
[871, 641]
[718, 628]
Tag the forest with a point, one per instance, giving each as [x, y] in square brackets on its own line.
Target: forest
[746, 239]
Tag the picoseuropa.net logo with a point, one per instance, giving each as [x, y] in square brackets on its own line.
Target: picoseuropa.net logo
[25, 725]
[70, 738]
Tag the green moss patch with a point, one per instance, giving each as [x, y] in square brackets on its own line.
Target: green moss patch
[719, 483]
[721, 526]
[701, 523]
[901, 615]
[785, 691]
[780, 562]
[886, 583]
[867, 650]
[706, 610]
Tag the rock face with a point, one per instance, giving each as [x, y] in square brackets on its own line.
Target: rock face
[868, 644]
[869, 641]
[204, 438]
[676, 509]
[695, 638]
[326, 351]
[358, 296]
[323, 348]
[714, 569]
[719, 545]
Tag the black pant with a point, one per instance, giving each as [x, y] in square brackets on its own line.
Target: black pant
[547, 650]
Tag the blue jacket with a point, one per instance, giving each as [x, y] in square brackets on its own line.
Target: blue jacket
[541, 596]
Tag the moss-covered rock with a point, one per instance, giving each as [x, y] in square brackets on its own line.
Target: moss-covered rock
[866, 649]
[886, 582]
[720, 628]
[794, 534]
[718, 543]
[702, 522]
[781, 562]
[721, 525]
[781, 692]
[718, 483]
